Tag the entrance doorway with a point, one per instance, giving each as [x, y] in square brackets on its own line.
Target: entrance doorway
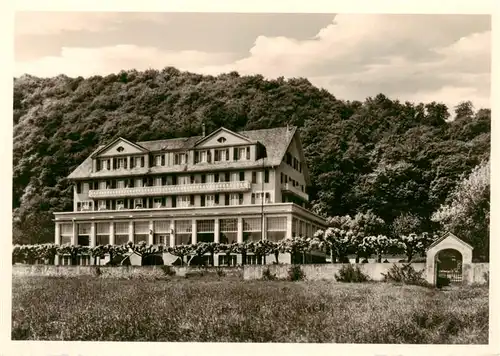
[449, 265]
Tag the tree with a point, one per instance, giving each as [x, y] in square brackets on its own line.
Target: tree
[467, 212]
[414, 244]
[406, 224]
[180, 251]
[336, 241]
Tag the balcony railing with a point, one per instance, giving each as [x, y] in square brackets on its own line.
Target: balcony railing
[196, 188]
[287, 187]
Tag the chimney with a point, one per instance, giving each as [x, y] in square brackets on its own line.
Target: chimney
[203, 129]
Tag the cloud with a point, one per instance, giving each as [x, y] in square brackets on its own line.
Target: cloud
[442, 58]
[51, 23]
[105, 60]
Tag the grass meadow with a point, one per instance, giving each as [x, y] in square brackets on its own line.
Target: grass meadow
[183, 310]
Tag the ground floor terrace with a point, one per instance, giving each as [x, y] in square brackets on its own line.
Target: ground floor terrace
[171, 227]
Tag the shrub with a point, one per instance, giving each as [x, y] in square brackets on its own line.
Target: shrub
[168, 270]
[405, 274]
[295, 273]
[442, 282]
[350, 274]
[486, 276]
[267, 275]
[194, 274]
[220, 272]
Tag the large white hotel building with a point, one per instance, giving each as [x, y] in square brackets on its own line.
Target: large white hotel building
[223, 187]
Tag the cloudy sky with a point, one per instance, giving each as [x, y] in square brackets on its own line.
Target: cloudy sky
[420, 58]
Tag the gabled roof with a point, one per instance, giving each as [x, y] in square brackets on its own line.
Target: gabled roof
[203, 139]
[275, 140]
[446, 235]
[139, 147]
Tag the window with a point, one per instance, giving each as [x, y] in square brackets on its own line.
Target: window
[242, 176]
[158, 160]
[157, 203]
[254, 177]
[200, 156]
[210, 178]
[276, 228]
[266, 176]
[102, 205]
[120, 184]
[234, 199]
[221, 154]
[180, 158]
[138, 203]
[121, 163]
[183, 229]
[158, 181]
[241, 153]
[120, 205]
[252, 229]
[221, 139]
[184, 180]
[183, 201]
[288, 158]
[228, 230]
[78, 188]
[210, 200]
[102, 233]
[86, 205]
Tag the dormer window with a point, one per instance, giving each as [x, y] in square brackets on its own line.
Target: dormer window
[120, 149]
[221, 139]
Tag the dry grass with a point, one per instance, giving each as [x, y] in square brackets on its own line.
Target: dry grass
[87, 308]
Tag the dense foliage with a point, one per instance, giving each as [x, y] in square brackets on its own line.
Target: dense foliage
[381, 155]
[337, 242]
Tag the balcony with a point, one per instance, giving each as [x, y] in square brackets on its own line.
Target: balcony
[289, 188]
[196, 188]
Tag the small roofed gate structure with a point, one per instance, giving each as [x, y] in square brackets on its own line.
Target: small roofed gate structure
[450, 257]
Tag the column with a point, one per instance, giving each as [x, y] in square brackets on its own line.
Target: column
[264, 228]
[239, 236]
[216, 230]
[289, 222]
[128, 162]
[92, 235]
[172, 233]
[74, 236]
[131, 231]
[151, 232]
[57, 241]
[57, 238]
[111, 233]
[194, 236]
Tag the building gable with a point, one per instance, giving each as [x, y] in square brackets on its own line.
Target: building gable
[120, 146]
[295, 148]
[222, 137]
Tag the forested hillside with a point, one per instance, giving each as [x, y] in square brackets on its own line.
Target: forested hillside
[380, 154]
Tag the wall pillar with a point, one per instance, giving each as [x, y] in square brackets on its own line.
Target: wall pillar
[74, 236]
[217, 230]
[239, 236]
[289, 224]
[151, 232]
[92, 235]
[131, 231]
[264, 228]
[194, 236]
[111, 233]
[172, 233]
[57, 237]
